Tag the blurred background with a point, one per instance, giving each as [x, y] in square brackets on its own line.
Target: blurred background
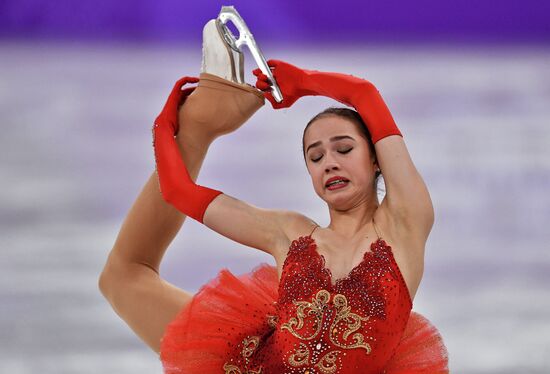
[81, 83]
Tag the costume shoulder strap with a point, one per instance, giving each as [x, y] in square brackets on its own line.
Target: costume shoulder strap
[313, 230]
[375, 229]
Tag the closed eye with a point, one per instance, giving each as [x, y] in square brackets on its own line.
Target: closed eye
[339, 151]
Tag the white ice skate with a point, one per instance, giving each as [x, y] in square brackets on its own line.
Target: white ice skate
[229, 13]
[218, 57]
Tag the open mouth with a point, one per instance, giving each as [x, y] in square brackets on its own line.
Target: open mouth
[337, 183]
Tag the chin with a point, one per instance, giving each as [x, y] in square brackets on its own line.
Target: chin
[341, 202]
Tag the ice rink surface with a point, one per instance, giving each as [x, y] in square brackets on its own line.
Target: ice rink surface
[76, 150]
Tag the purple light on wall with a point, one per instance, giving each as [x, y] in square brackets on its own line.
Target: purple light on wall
[284, 21]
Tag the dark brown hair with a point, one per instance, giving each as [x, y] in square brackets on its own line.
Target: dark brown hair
[350, 115]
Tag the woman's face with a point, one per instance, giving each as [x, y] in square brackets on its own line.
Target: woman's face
[335, 147]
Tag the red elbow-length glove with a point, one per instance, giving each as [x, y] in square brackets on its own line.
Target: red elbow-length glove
[361, 94]
[176, 186]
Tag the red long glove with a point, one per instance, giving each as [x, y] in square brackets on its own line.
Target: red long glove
[176, 186]
[361, 94]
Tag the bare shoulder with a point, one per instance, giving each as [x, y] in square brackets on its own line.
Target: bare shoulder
[293, 225]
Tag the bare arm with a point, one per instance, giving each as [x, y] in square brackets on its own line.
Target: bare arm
[130, 279]
[407, 197]
[269, 230]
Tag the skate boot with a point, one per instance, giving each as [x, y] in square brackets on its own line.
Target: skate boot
[220, 57]
[222, 101]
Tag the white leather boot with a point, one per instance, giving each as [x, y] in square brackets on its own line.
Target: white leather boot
[222, 51]
[218, 57]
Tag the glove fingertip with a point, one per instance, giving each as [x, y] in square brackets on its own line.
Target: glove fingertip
[261, 85]
[190, 80]
[270, 98]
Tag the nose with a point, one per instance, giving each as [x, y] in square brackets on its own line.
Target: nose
[330, 164]
[331, 167]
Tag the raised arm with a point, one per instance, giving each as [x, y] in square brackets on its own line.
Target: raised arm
[407, 198]
[130, 279]
[249, 225]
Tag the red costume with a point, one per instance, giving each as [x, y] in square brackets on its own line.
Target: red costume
[303, 323]
[362, 323]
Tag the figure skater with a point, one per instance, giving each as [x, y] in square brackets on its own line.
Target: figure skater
[339, 299]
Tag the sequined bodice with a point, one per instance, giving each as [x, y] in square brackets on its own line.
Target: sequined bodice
[351, 325]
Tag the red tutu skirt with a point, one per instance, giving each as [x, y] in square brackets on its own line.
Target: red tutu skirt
[207, 330]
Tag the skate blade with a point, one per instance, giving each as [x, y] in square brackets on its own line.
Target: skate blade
[236, 56]
[229, 13]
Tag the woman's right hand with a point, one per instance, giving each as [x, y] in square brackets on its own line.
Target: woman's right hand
[291, 80]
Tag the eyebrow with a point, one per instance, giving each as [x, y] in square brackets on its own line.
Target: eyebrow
[333, 139]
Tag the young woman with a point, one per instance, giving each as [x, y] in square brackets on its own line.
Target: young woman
[339, 299]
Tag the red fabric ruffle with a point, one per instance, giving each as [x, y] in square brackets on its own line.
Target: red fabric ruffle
[421, 349]
[228, 308]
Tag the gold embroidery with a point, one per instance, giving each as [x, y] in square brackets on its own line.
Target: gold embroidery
[231, 369]
[301, 357]
[272, 320]
[353, 323]
[342, 332]
[344, 320]
[327, 363]
[317, 307]
[250, 345]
